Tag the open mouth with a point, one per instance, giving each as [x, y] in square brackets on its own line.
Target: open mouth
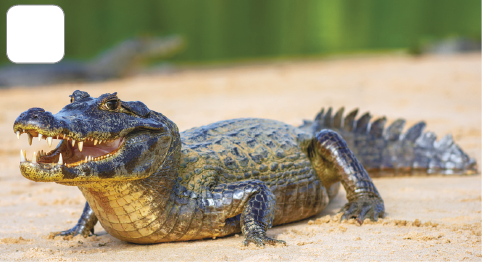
[70, 152]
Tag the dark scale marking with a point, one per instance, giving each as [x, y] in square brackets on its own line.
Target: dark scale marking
[258, 159]
[263, 168]
[280, 153]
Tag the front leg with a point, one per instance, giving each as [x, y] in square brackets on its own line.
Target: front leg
[84, 226]
[333, 162]
[249, 204]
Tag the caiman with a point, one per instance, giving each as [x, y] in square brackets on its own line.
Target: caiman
[146, 182]
[116, 62]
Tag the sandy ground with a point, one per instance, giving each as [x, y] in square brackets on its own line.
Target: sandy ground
[428, 218]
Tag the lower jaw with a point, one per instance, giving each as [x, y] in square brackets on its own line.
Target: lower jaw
[33, 172]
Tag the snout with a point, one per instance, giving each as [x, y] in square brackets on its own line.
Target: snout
[38, 119]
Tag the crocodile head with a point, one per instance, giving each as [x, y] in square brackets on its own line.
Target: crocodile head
[101, 139]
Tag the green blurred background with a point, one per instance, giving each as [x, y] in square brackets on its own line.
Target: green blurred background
[221, 30]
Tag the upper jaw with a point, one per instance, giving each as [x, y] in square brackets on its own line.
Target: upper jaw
[60, 133]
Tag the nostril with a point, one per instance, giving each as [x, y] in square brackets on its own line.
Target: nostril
[35, 116]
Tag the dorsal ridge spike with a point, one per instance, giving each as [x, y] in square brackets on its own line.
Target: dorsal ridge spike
[377, 127]
[328, 121]
[363, 123]
[393, 132]
[349, 122]
[320, 115]
[338, 118]
[414, 132]
[445, 142]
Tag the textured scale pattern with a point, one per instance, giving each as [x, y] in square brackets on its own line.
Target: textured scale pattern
[254, 149]
[384, 151]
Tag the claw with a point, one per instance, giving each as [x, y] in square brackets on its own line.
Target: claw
[375, 214]
[262, 241]
[343, 218]
[361, 216]
[359, 221]
[351, 209]
[365, 207]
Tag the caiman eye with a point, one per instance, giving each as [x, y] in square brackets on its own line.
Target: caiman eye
[111, 104]
[71, 99]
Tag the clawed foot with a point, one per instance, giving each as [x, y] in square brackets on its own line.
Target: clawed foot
[363, 207]
[76, 230]
[261, 241]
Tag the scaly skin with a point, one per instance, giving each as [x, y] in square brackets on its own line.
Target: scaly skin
[159, 185]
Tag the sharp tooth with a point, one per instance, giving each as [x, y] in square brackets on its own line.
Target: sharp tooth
[95, 142]
[90, 158]
[81, 144]
[34, 158]
[39, 136]
[49, 141]
[73, 142]
[86, 158]
[29, 138]
[23, 130]
[18, 134]
[60, 160]
[22, 156]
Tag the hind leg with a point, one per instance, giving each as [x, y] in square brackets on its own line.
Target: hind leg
[333, 162]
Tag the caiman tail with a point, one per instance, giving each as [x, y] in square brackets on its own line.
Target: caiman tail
[388, 151]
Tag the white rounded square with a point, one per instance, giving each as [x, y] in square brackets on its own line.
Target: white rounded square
[35, 34]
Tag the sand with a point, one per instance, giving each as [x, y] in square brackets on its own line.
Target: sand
[428, 218]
